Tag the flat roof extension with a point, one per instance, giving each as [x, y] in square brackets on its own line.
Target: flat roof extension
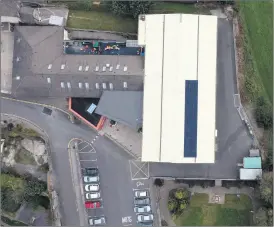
[179, 87]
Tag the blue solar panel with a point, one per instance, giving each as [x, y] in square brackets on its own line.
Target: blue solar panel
[191, 108]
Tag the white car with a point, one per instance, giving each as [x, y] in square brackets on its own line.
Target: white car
[91, 179]
[93, 195]
[92, 187]
[144, 218]
[142, 209]
[141, 194]
[97, 221]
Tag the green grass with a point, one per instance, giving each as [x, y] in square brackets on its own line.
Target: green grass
[257, 18]
[101, 21]
[235, 212]
[11, 182]
[25, 157]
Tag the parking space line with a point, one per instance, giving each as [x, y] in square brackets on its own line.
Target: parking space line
[133, 179]
[84, 147]
[94, 160]
[90, 152]
[127, 225]
[140, 189]
[140, 168]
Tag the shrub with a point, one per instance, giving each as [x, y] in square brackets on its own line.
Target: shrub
[159, 182]
[164, 223]
[181, 194]
[183, 205]
[172, 205]
[263, 113]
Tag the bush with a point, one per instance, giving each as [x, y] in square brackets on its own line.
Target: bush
[183, 205]
[172, 205]
[164, 223]
[263, 113]
[9, 201]
[159, 182]
[44, 168]
[34, 188]
[181, 194]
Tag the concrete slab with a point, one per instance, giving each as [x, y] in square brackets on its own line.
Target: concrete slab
[7, 46]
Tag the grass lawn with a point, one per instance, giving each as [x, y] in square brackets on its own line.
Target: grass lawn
[235, 211]
[106, 21]
[100, 21]
[257, 21]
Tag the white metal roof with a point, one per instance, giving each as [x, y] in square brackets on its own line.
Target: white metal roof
[179, 47]
[250, 174]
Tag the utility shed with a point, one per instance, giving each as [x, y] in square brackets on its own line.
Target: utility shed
[179, 87]
[250, 174]
[252, 163]
[125, 107]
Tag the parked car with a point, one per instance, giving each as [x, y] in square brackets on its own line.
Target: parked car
[90, 171]
[92, 187]
[97, 221]
[91, 179]
[143, 201]
[93, 204]
[145, 223]
[93, 195]
[144, 218]
[142, 209]
[141, 193]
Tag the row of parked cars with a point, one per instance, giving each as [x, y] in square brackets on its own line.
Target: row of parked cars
[93, 200]
[142, 208]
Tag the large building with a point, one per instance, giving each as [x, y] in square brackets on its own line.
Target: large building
[179, 87]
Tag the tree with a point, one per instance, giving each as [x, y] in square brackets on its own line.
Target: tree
[130, 8]
[183, 205]
[164, 223]
[34, 187]
[159, 182]
[172, 205]
[260, 217]
[181, 194]
[266, 188]
[263, 113]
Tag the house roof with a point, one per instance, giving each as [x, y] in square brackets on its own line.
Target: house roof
[125, 107]
[250, 174]
[179, 87]
[38, 55]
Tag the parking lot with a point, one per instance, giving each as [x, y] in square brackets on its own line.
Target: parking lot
[119, 177]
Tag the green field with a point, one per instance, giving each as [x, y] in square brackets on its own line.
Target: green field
[106, 21]
[257, 21]
[235, 212]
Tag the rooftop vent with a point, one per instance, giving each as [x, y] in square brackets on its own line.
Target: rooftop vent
[50, 66]
[125, 84]
[118, 66]
[97, 68]
[63, 66]
[18, 59]
[69, 85]
[87, 86]
[125, 68]
[142, 18]
[17, 78]
[104, 85]
[87, 68]
[110, 86]
[18, 40]
[97, 85]
[48, 80]
[104, 68]
[80, 68]
[80, 85]
[107, 65]
[62, 85]
[111, 68]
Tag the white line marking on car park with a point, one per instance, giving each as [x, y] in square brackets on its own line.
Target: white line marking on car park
[140, 189]
[139, 183]
[94, 160]
[127, 225]
[84, 148]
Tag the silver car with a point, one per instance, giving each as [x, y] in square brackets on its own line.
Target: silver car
[142, 209]
[141, 193]
[144, 217]
[93, 195]
[97, 221]
[91, 179]
[92, 187]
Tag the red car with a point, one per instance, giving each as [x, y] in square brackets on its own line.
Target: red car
[92, 205]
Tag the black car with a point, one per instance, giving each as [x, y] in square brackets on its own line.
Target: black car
[90, 171]
[143, 201]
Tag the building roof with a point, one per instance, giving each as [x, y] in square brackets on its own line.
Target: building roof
[252, 162]
[179, 87]
[250, 174]
[38, 57]
[125, 107]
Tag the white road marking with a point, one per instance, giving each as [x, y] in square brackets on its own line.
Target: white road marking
[84, 147]
[139, 183]
[87, 152]
[127, 225]
[140, 189]
[133, 179]
[94, 160]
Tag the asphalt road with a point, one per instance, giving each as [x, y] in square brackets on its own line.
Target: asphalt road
[118, 174]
